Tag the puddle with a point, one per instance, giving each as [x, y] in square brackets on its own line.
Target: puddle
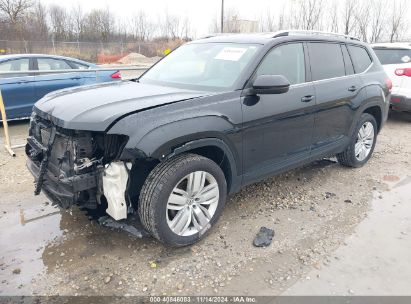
[24, 236]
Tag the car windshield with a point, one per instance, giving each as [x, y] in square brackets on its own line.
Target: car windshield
[393, 56]
[202, 66]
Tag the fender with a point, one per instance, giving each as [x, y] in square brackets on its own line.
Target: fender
[219, 143]
[162, 140]
[376, 96]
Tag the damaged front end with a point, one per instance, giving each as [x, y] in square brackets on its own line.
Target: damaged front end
[78, 167]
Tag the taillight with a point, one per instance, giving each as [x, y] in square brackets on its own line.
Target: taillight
[388, 82]
[403, 72]
[116, 75]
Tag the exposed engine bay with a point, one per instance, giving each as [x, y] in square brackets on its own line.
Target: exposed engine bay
[79, 167]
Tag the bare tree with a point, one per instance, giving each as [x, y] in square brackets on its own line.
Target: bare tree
[333, 21]
[186, 32]
[99, 25]
[348, 16]
[107, 24]
[268, 22]
[141, 26]
[305, 14]
[15, 9]
[311, 14]
[397, 19]
[171, 26]
[362, 19]
[59, 22]
[377, 20]
[37, 21]
[78, 21]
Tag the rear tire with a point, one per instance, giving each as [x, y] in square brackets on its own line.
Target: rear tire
[182, 198]
[362, 143]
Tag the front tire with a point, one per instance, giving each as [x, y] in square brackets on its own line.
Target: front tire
[362, 143]
[182, 198]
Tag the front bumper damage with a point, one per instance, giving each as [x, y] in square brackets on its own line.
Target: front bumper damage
[75, 167]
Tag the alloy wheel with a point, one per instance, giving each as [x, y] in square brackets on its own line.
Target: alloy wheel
[192, 203]
[365, 141]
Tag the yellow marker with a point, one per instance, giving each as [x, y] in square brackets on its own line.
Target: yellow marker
[5, 127]
[153, 264]
[167, 51]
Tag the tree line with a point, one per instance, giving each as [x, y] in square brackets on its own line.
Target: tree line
[32, 20]
[370, 20]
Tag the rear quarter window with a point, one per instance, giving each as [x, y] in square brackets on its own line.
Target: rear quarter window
[393, 56]
[17, 65]
[77, 65]
[360, 58]
[326, 60]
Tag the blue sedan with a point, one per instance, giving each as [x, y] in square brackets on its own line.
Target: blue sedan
[21, 91]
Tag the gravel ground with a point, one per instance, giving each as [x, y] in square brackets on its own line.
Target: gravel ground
[313, 210]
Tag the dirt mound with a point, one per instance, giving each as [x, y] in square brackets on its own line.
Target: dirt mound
[138, 59]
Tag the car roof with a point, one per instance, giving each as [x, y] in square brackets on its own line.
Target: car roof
[393, 45]
[14, 56]
[270, 37]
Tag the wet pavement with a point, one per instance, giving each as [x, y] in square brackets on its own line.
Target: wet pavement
[375, 260]
[318, 212]
[25, 233]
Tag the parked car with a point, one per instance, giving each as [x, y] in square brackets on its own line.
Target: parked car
[21, 91]
[396, 60]
[213, 116]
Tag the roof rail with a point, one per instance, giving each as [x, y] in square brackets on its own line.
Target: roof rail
[308, 32]
[217, 35]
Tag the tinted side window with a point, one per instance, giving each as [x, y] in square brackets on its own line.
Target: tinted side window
[360, 58]
[349, 69]
[77, 65]
[15, 65]
[47, 64]
[326, 60]
[287, 60]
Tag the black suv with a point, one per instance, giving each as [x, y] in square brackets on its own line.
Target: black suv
[213, 116]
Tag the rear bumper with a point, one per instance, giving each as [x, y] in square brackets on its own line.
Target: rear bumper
[400, 103]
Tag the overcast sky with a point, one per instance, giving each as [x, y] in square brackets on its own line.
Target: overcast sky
[200, 12]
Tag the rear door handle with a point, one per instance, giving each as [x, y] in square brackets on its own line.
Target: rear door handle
[352, 89]
[76, 78]
[307, 98]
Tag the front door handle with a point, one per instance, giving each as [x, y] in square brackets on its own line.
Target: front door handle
[352, 88]
[307, 98]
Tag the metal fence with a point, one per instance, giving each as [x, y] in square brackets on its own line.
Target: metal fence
[88, 51]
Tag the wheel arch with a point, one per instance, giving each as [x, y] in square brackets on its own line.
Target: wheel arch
[216, 150]
[376, 112]
[375, 104]
[213, 148]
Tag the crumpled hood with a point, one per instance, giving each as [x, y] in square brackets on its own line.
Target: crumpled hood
[96, 107]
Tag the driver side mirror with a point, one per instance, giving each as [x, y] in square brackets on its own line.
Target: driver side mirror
[271, 84]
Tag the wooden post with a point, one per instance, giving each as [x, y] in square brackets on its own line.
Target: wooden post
[7, 145]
